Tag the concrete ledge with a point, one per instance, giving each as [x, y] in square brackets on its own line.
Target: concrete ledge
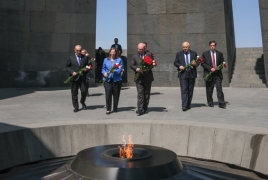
[239, 145]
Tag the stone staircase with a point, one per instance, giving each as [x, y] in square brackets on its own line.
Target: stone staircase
[249, 68]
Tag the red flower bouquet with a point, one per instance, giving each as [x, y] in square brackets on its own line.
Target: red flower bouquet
[146, 64]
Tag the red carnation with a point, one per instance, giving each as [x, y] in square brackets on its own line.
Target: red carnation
[200, 60]
[148, 60]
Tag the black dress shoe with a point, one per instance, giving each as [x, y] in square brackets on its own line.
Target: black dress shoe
[210, 104]
[139, 112]
[184, 108]
[84, 106]
[108, 112]
[75, 110]
[222, 106]
[145, 111]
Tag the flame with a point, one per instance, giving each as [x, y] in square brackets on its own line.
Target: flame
[126, 151]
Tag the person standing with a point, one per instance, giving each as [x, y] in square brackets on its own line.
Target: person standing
[100, 56]
[212, 59]
[74, 63]
[187, 76]
[144, 82]
[112, 80]
[117, 46]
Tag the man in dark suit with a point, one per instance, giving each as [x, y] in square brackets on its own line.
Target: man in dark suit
[212, 59]
[117, 46]
[144, 82]
[187, 76]
[74, 63]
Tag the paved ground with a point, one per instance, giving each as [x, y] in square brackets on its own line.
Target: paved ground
[23, 107]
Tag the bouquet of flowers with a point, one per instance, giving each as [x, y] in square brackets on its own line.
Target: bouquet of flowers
[198, 60]
[113, 68]
[146, 64]
[80, 72]
[219, 67]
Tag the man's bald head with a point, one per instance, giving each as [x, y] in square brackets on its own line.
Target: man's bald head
[185, 46]
[141, 48]
[78, 49]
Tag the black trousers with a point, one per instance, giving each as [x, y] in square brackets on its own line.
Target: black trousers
[216, 80]
[143, 90]
[112, 89]
[187, 91]
[83, 85]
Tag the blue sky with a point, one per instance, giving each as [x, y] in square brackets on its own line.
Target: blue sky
[112, 22]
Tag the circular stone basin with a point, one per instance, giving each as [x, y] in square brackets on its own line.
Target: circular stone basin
[149, 162]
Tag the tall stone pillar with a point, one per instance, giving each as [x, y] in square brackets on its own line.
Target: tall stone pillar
[264, 28]
[165, 24]
[38, 36]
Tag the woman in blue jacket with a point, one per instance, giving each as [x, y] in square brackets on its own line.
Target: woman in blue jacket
[112, 80]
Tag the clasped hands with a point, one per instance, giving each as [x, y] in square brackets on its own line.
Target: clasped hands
[193, 63]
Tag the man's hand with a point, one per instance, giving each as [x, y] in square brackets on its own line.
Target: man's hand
[138, 70]
[182, 68]
[213, 70]
[74, 74]
[105, 75]
[193, 63]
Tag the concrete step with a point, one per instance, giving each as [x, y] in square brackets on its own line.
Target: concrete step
[246, 76]
[247, 85]
[249, 64]
[249, 50]
[246, 81]
[249, 59]
[250, 71]
[248, 68]
[247, 56]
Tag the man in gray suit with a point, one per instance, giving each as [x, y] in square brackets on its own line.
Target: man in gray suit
[144, 82]
[74, 63]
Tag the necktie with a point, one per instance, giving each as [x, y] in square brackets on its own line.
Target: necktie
[213, 60]
[187, 60]
[79, 60]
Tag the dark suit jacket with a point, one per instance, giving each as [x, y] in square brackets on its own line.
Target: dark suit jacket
[73, 66]
[119, 48]
[135, 63]
[207, 63]
[180, 61]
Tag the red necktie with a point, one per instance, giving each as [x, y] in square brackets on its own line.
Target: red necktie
[213, 60]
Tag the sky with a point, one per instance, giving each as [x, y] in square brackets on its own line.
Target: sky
[112, 23]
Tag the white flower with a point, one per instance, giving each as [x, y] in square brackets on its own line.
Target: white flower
[223, 62]
[88, 67]
[153, 61]
[154, 64]
[197, 57]
[117, 64]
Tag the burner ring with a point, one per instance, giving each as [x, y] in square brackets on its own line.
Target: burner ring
[103, 162]
[138, 154]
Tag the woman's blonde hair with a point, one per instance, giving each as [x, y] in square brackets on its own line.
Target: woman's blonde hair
[116, 53]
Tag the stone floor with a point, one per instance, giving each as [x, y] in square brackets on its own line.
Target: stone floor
[23, 107]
